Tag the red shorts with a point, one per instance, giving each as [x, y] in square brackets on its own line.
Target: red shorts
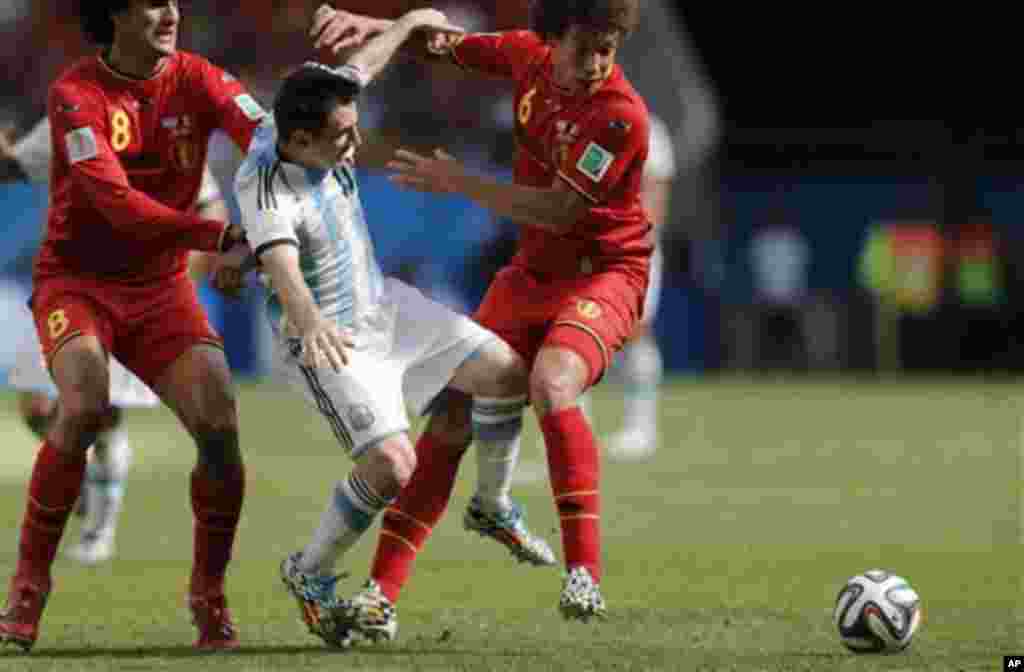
[146, 327]
[591, 315]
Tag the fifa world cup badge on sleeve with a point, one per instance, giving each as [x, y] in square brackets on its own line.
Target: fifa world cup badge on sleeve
[595, 161]
[81, 145]
[249, 107]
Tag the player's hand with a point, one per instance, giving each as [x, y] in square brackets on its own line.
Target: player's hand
[336, 29]
[227, 275]
[325, 342]
[439, 174]
[7, 143]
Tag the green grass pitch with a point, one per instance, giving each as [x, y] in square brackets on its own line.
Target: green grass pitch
[725, 552]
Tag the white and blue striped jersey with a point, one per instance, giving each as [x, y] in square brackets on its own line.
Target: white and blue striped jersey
[319, 212]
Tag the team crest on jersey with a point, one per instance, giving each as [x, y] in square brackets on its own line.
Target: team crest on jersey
[566, 135]
[183, 133]
[588, 309]
[360, 417]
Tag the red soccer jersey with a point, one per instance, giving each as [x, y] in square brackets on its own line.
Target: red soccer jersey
[594, 142]
[128, 159]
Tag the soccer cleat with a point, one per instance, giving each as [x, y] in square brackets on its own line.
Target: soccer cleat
[93, 548]
[581, 597]
[210, 614]
[19, 620]
[314, 595]
[368, 616]
[509, 529]
[632, 444]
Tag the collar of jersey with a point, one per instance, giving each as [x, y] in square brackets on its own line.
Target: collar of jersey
[114, 72]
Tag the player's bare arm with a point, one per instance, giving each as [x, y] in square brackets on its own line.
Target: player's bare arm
[338, 30]
[322, 339]
[556, 209]
[371, 58]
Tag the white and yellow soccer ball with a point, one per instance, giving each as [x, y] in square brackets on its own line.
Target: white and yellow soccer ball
[877, 612]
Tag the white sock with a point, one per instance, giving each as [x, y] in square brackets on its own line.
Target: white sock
[641, 371]
[584, 405]
[497, 428]
[352, 509]
[104, 482]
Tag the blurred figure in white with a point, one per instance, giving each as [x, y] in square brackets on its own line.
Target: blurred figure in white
[99, 506]
[641, 368]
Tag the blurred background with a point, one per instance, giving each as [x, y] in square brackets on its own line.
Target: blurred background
[845, 196]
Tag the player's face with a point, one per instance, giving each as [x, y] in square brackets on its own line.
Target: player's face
[149, 25]
[584, 58]
[338, 140]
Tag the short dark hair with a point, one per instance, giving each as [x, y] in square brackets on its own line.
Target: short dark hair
[95, 16]
[551, 19]
[307, 97]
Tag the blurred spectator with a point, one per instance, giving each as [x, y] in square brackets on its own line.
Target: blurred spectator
[779, 257]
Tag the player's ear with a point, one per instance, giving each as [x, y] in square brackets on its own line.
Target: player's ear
[301, 139]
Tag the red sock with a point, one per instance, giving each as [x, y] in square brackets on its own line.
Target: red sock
[408, 522]
[55, 485]
[575, 468]
[217, 506]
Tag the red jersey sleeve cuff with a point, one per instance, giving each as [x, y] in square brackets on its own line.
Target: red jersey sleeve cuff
[209, 237]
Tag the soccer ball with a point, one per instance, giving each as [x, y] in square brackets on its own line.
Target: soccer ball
[877, 612]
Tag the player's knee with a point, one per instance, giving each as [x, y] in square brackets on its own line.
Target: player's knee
[554, 387]
[389, 466]
[216, 435]
[85, 413]
[511, 376]
[38, 411]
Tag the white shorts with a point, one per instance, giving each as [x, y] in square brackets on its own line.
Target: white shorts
[653, 297]
[367, 401]
[29, 374]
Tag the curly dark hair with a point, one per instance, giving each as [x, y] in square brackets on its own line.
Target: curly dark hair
[551, 19]
[95, 17]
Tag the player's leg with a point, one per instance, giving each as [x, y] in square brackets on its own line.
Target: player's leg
[641, 370]
[103, 492]
[176, 352]
[560, 374]
[79, 369]
[496, 377]
[109, 462]
[574, 356]
[197, 387]
[408, 522]
[380, 473]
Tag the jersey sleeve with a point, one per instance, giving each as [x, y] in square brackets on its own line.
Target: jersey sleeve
[506, 55]
[79, 137]
[267, 220]
[233, 109]
[611, 141]
[34, 151]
